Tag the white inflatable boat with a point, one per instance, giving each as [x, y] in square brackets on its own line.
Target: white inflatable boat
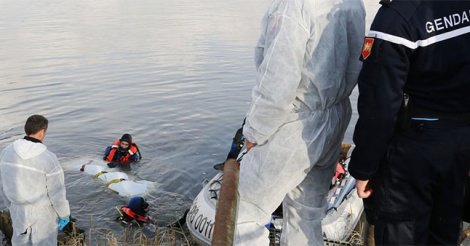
[116, 181]
[344, 211]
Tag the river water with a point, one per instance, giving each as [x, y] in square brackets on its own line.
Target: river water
[177, 75]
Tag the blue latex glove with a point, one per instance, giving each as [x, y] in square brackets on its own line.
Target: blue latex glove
[63, 222]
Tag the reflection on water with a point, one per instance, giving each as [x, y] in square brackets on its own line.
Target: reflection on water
[176, 75]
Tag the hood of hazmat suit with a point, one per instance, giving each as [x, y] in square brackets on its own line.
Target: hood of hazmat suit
[307, 61]
[33, 183]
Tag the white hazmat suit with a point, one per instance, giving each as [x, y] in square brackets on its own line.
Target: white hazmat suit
[307, 61]
[33, 183]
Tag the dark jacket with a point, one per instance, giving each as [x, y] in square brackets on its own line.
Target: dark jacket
[421, 48]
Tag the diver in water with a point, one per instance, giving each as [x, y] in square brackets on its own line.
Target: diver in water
[136, 210]
[122, 152]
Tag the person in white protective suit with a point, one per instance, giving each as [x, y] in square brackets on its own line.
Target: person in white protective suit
[33, 185]
[307, 60]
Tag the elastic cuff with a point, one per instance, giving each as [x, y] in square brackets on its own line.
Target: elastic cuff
[253, 136]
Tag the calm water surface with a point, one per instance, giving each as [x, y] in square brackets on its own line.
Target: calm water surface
[177, 75]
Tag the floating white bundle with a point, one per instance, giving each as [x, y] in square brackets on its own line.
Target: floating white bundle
[117, 181]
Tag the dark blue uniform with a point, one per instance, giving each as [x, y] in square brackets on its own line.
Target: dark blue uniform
[413, 134]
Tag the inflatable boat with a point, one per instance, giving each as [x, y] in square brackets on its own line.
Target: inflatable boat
[343, 213]
[118, 182]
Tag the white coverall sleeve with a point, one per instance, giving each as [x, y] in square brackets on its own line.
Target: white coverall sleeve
[4, 202]
[279, 70]
[56, 190]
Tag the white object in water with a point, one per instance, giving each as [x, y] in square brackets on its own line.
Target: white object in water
[113, 177]
[129, 188]
[117, 181]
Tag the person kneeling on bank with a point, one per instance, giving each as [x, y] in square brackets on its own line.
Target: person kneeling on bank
[136, 210]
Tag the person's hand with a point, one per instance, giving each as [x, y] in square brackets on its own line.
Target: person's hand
[363, 189]
[249, 144]
[63, 222]
[150, 220]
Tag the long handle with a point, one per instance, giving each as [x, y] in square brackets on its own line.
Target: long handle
[227, 205]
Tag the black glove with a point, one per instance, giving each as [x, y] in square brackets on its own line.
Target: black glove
[237, 144]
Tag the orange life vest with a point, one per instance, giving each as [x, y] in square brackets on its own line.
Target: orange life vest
[339, 174]
[124, 158]
[127, 211]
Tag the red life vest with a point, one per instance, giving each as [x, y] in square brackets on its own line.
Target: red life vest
[339, 174]
[127, 211]
[340, 171]
[124, 158]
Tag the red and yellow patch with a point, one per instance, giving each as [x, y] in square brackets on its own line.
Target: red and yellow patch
[367, 47]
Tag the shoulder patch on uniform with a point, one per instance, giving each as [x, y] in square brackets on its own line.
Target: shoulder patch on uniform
[367, 47]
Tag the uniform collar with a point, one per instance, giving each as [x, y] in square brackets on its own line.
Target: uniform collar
[34, 140]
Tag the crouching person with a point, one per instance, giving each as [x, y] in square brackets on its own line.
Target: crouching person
[136, 211]
[33, 187]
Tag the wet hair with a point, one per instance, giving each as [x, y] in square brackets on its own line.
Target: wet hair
[126, 138]
[35, 123]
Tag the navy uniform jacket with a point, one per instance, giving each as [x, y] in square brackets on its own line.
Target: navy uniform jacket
[421, 48]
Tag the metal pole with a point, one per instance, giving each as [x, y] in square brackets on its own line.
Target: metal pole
[227, 205]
